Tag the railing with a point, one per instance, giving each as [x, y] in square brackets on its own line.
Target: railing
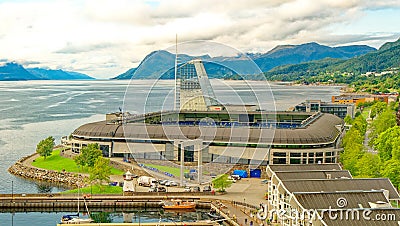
[245, 205]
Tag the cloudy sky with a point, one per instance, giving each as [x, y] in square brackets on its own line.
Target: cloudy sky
[105, 38]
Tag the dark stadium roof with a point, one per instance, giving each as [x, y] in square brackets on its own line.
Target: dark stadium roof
[321, 130]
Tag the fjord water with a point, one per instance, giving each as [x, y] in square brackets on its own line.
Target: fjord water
[33, 110]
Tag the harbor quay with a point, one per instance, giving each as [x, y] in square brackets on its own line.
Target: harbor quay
[200, 223]
[236, 205]
[59, 202]
[233, 212]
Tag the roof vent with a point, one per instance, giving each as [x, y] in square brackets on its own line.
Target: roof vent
[379, 204]
[386, 193]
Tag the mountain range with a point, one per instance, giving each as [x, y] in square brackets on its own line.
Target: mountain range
[284, 62]
[12, 71]
[386, 57]
[162, 62]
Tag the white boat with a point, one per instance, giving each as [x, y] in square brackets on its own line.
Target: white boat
[74, 218]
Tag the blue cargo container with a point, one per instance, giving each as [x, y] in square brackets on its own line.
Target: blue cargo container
[255, 173]
[240, 173]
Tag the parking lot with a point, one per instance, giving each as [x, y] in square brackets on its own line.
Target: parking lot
[249, 190]
[176, 188]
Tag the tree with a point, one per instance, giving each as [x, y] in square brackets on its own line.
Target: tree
[222, 182]
[101, 217]
[386, 143]
[88, 155]
[369, 165]
[391, 170]
[348, 120]
[350, 156]
[384, 121]
[45, 147]
[101, 171]
[353, 136]
[377, 109]
[398, 115]
[353, 147]
[396, 148]
[360, 124]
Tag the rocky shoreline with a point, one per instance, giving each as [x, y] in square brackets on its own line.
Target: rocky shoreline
[66, 178]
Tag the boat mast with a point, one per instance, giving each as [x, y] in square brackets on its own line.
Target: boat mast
[78, 198]
[176, 71]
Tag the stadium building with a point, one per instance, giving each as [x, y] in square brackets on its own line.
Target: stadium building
[201, 129]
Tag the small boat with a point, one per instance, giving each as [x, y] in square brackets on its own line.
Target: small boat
[74, 219]
[213, 214]
[177, 204]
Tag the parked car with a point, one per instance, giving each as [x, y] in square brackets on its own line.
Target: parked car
[113, 183]
[236, 177]
[162, 182]
[161, 189]
[187, 189]
[171, 183]
[230, 178]
[207, 188]
[196, 189]
[152, 189]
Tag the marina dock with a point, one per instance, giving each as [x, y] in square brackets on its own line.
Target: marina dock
[205, 223]
[232, 213]
[57, 203]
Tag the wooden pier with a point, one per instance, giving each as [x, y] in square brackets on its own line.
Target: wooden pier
[34, 203]
[205, 223]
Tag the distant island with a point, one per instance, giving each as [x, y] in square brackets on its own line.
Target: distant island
[11, 71]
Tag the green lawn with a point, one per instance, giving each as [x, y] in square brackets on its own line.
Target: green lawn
[95, 189]
[58, 163]
[176, 171]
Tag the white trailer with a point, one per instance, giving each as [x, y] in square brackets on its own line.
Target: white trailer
[146, 181]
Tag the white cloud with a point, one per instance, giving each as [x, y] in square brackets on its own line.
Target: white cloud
[105, 38]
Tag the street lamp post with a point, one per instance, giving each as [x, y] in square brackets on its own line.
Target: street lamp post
[12, 190]
[139, 215]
